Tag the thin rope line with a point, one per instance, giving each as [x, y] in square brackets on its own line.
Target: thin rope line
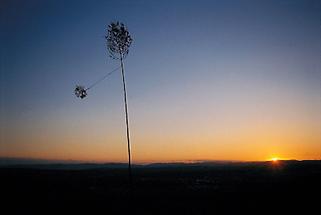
[105, 76]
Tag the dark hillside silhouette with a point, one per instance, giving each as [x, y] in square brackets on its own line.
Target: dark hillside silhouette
[204, 188]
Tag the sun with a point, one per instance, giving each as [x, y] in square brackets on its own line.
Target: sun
[275, 159]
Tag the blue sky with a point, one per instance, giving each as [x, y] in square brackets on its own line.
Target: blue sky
[196, 69]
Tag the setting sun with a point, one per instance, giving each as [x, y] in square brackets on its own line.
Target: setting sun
[275, 159]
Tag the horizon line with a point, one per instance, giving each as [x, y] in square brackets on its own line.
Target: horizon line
[74, 161]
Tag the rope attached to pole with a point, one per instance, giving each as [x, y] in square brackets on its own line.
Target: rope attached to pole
[81, 92]
[102, 78]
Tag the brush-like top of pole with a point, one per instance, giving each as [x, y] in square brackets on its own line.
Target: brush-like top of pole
[118, 40]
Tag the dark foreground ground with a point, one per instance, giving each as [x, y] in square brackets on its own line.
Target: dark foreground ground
[207, 188]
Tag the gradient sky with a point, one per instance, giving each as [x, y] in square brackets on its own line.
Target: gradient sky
[207, 80]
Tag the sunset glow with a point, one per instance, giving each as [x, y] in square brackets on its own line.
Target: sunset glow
[275, 159]
[237, 82]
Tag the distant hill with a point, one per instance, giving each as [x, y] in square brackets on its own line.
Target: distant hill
[54, 164]
[74, 165]
[5, 161]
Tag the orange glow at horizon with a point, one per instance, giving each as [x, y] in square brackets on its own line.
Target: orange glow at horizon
[243, 129]
[275, 159]
[239, 144]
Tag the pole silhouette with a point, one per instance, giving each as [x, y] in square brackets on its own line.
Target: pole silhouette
[118, 42]
[127, 121]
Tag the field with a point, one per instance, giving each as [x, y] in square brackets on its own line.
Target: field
[202, 188]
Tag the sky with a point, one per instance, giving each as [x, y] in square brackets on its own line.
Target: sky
[206, 80]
